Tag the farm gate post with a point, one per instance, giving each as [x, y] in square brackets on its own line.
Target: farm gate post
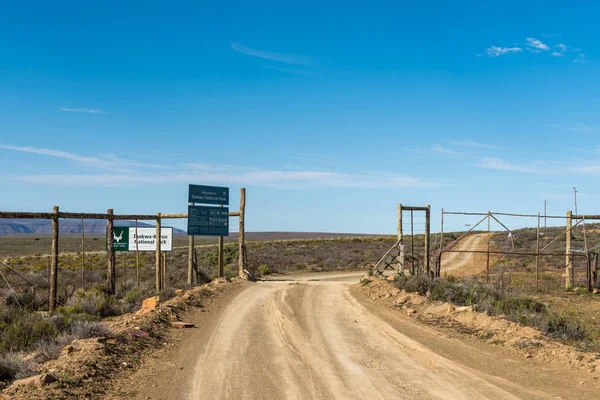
[158, 271]
[241, 235]
[569, 275]
[54, 263]
[190, 266]
[110, 252]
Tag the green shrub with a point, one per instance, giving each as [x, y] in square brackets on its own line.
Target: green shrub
[14, 366]
[264, 269]
[498, 299]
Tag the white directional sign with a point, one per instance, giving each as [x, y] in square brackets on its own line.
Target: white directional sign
[146, 239]
[124, 239]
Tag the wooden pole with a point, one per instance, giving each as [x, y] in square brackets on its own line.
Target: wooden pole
[537, 256]
[569, 276]
[190, 268]
[412, 240]
[195, 279]
[427, 240]
[439, 267]
[137, 256]
[110, 237]
[241, 235]
[82, 255]
[399, 220]
[221, 273]
[164, 269]
[401, 237]
[125, 273]
[54, 264]
[158, 270]
[488, 247]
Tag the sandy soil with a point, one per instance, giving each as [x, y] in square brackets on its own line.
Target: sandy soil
[463, 264]
[325, 339]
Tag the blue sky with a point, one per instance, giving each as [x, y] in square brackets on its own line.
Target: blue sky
[328, 113]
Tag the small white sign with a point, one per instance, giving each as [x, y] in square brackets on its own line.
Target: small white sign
[146, 239]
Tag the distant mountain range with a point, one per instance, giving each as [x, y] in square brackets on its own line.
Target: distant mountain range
[44, 226]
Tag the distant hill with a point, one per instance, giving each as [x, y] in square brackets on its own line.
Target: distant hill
[38, 226]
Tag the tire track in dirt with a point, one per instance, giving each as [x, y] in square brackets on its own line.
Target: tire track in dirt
[314, 340]
[463, 264]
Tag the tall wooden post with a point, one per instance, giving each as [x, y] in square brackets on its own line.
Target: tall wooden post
[439, 266]
[158, 269]
[82, 255]
[221, 273]
[164, 270]
[428, 240]
[569, 275]
[241, 235]
[110, 252]
[54, 263]
[137, 255]
[412, 241]
[488, 246]
[400, 237]
[537, 257]
[190, 268]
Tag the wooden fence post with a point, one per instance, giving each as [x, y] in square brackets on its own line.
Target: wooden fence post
[537, 256]
[158, 272]
[569, 276]
[428, 240]
[221, 273]
[164, 270]
[54, 263]
[487, 268]
[401, 237]
[439, 266]
[190, 269]
[137, 255]
[82, 255]
[241, 235]
[110, 250]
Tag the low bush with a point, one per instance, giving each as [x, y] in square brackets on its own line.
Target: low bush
[498, 298]
[14, 366]
[264, 269]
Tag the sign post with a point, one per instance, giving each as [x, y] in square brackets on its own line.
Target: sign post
[208, 215]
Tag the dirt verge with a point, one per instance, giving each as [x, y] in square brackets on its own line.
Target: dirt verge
[97, 367]
[525, 341]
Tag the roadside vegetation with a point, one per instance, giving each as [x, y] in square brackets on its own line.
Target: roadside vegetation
[501, 298]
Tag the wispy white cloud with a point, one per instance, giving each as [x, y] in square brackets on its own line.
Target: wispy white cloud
[92, 161]
[591, 169]
[537, 44]
[440, 149]
[559, 50]
[470, 143]
[279, 57]
[581, 59]
[272, 178]
[495, 51]
[83, 110]
[500, 165]
[576, 128]
[107, 162]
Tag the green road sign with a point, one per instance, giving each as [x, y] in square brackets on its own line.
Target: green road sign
[200, 194]
[121, 238]
[125, 239]
[208, 221]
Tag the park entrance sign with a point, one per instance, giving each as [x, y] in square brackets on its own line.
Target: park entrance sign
[208, 220]
[125, 239]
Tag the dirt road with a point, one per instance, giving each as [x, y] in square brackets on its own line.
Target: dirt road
[316, 339]
[462, 264]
